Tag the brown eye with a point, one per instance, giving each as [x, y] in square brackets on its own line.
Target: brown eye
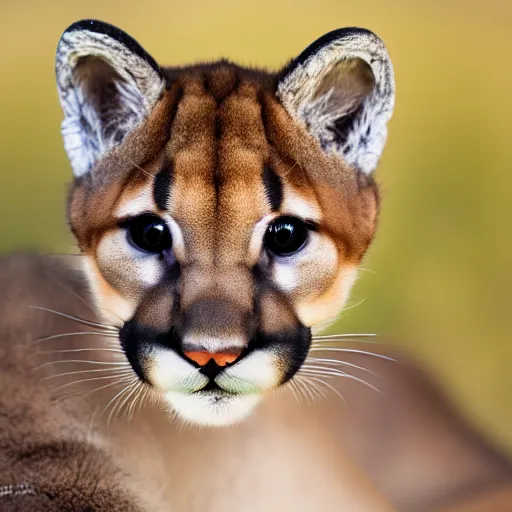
[286, 235]
[149, 233]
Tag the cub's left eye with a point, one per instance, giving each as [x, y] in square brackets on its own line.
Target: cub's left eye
[286, 235]
[149, 233]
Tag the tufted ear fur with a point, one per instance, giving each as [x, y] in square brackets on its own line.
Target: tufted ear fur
[107, 85]
[342, 89]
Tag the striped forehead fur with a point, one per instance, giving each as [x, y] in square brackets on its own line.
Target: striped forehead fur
[240, 144]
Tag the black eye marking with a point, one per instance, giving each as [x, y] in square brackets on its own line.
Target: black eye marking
[162, 187]
[286, 235]
[149, 233]
[273, 188]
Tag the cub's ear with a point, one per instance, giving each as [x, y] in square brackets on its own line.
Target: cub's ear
[341, 88]
[107, 85]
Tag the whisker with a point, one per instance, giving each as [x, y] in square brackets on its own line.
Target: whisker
[69, 361]
[353, 351]
[314, 387]
[113, 376]
[141, 169]
[367, 270]
[339, 336]
[99, 349]
[123, 407]
[300, 388]
[136, 400]
[69, 334]
[79, 320]
[306, 391]
[143, 398]
[70, 290]
[115, 399]
[343, 363]
[321, 381]
[78, 296]
[347, 308]
[291, 385]
[324, 370]
[290, 169]
[132, 402]
[148, 397]
[341, 341]
[128, 401]
[339, 373]
[56, 375]
[91, 425]
[121, 401]
[91, 391]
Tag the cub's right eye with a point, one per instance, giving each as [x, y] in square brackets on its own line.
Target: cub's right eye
[149, 233]
[286, 235]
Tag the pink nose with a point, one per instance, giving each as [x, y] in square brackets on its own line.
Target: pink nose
[221, 358]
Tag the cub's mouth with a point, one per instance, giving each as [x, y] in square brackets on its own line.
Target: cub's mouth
[213, 388]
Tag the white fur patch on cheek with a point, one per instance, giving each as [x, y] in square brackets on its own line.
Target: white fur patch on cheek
[286, 277]
[113, 307]
[212, 409]
[257, 372]
[168, 371]
[308, 272]
[127, 269]
[326, 307]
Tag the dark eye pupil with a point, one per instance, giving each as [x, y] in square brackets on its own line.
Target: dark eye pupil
[150, 233]
[153, 234]
[286, 235]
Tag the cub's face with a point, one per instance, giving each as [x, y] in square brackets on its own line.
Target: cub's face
[222, 211]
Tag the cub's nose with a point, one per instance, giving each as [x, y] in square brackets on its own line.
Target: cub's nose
[202, 358]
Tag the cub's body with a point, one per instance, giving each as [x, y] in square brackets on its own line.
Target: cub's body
[406, 450]
[285, 458]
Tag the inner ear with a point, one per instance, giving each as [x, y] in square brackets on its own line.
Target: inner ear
[114, 104]
[341, 89]
[108, 85]
[346, 86]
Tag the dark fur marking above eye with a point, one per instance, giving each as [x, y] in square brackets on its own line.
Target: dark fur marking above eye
[273, 188]
[162, 187]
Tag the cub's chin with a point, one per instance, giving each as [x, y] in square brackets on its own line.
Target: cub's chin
[212, 408]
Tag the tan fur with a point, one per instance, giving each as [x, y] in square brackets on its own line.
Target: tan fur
[303, 456]
[215, 155]
[254, 129]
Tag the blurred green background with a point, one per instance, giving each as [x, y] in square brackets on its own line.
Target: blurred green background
[441, 279]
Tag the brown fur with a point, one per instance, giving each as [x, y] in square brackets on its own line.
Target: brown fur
[217, 152]
[226, 125]
[42, 446]
[70, 459]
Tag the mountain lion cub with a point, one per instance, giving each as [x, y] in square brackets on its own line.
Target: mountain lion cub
[221, 213]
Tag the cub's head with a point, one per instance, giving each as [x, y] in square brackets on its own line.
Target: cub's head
[222, 211]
